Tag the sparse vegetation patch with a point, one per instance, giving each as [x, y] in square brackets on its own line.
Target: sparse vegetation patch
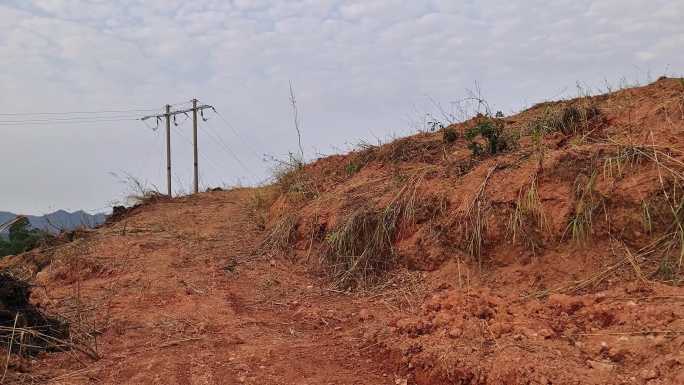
[488, 136]
[570, 118]
[293, 181]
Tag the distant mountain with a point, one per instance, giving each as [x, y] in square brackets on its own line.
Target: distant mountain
[59, 220]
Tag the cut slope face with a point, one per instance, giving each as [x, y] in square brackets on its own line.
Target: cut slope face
[554, 238]
[541, 248]
[570, 174]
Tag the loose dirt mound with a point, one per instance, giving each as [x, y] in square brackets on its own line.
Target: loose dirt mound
[540, 248]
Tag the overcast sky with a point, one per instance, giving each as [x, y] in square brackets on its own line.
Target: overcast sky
[362, 70]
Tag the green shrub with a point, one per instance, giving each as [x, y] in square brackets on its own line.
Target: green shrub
[352, 168]
[449, 134]
[491, 130]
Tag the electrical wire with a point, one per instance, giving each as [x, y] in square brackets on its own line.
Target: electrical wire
[180, 133]
[37, 120]
[44, 123]
[221, 143]
[237, 133]
[77, 112]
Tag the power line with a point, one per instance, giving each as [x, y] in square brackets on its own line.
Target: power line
[237, 133]
[218, 140]
[180, 133]
[72, 119]
[77, 112]
[48, 122]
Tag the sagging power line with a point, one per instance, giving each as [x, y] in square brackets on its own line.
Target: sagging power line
[166, 116]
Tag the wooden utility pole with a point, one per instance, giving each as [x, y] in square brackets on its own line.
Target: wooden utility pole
[167, 115]
[168, 150]
[194, 144]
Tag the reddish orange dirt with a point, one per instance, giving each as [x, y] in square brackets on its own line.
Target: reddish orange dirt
[556, 261]
[180, 298]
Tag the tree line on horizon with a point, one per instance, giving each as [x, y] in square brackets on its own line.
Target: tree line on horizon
[22, 238]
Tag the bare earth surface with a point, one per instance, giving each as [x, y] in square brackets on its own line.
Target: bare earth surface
[181, 300]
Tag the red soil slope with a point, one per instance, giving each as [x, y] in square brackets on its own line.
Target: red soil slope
[555, 261]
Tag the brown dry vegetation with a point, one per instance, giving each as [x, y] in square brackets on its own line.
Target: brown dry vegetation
[555, 260]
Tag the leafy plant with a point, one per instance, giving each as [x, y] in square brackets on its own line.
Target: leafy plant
[491, 130]
[449, 134]
[352, 168]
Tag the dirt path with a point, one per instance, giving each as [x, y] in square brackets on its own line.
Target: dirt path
[180, 299]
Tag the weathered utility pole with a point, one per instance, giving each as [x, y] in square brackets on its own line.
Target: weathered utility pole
[167, 115]
[194, 144]
[168, 150]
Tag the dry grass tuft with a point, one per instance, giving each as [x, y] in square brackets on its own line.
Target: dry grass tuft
[282, 235]
[571, 118]
[293, 180]
[473, 222]
[625, 157]
[359, 250]
[528, 219]
[587, 201]
[363, 154]
[258, 203]
[140, 192]
[665, 209]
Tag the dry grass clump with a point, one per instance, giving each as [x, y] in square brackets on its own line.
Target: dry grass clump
[587, 201]
[359, 250]
[282, 235]
[625, 157]
[409, 150]
[258, 203]
[363, 154]
[293, 180]
[663, 210]
[668, 205]
[473, 224]
[570, 118]
[140, 192]
[528, 220]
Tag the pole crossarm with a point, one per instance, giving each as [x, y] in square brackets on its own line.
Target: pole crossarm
[167, 117]
[178, 112]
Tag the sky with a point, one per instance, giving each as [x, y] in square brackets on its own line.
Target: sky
[368, 70]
